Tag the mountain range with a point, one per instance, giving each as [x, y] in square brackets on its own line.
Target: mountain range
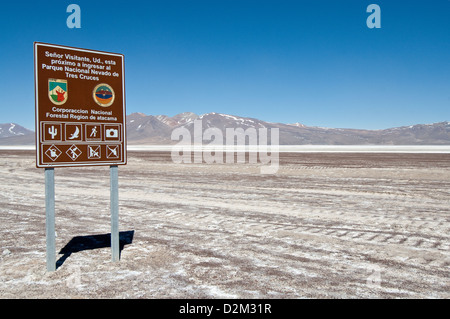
[149, 129]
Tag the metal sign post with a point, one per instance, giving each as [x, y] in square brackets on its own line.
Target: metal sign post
[114, 181]
[50, 217]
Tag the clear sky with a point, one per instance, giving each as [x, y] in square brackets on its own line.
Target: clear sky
[315, 62]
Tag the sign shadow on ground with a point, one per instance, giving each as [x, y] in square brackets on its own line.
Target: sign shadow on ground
[81, 243]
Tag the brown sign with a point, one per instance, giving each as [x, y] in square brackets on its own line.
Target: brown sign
[80, 107]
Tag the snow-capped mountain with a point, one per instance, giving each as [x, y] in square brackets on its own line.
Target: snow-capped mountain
[178, 119]
[14, 134]
[148, 129]
[13, 129]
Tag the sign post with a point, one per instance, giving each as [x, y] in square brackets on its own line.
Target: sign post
[80, 121]
[50, 217]
[114, 180]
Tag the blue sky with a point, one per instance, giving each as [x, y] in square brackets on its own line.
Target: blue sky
[315, 62]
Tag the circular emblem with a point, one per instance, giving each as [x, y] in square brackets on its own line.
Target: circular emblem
[104, 95]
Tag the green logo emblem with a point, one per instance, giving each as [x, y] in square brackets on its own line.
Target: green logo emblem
[57, 91]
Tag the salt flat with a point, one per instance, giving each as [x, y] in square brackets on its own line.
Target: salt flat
[443, 149]
[309, 148]
[326, 225]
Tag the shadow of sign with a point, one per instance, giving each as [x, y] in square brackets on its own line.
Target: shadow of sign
[81, 243]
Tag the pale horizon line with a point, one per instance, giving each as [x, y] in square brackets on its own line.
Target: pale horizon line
[445, 149]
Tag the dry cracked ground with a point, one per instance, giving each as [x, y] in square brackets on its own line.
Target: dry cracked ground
[326, 225]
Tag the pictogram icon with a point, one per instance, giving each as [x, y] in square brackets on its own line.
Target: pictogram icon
[73, 152]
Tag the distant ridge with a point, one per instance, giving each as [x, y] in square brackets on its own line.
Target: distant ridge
[157, 129]
[15, 134]
[149, 129]
[13, 129]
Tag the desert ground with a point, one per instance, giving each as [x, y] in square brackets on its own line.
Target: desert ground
[326, 225]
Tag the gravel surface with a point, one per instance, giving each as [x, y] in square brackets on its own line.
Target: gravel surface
[334, 225]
